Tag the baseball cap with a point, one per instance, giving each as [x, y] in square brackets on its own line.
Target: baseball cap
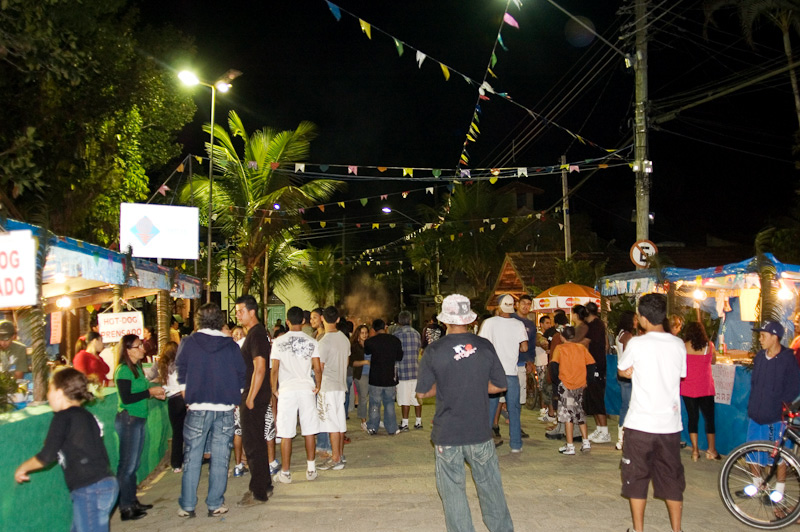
[7, 330]
[506, 303]
[456, 311]
[771, 327]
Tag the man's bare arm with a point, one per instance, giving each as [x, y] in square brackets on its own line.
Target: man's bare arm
[429, 393]
[496, 389]
[259, 372]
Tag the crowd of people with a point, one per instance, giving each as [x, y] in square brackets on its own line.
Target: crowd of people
[238, 386]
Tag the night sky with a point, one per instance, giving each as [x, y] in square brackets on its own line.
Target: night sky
[723, 169]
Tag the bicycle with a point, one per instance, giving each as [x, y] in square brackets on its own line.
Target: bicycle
[748, 482]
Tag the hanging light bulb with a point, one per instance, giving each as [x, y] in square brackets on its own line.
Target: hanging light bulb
[63, 302]
[699, 295]
[785, 293]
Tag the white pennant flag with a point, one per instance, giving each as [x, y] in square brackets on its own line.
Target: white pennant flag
[429, 190]
[522, 172]
[420, 58]
[299, 167]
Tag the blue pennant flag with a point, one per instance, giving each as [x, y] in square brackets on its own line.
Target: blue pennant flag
[335, 10]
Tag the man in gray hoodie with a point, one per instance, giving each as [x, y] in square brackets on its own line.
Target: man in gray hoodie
[211, 374]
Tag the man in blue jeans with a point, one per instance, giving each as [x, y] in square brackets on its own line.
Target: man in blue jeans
[211, 373]
[461, 370]
[385, 350]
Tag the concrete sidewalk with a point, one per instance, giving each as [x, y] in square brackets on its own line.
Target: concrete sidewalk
[389, 485]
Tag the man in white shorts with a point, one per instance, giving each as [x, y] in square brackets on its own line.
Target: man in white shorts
[407, 370]
[334, 352]
[294, 354]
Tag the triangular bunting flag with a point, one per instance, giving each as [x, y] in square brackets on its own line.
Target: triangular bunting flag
[436, 172]
[301, 210]
[408, 172]
[561, 226]
[299, 168]
[429, 190]
[493, 180]
[505, 220]
[465, 172]
[352, 170]
[489, 70]
[500, 41]
[399, 47]
[392, 225]
[508, 19]
[405, 194]
[322, 208]
[381, 169]
[376, 226]
[420, 58]
[198, 159]
[341, 204]
[494, 60]
[323, 224]
[366, 28]
[445, 71]
[480, 229]
[335, 10]
[522, 172]
[163, 189]
[363, 201]
[574, 168]
[179, 168]
[492, 227]
[452, 237]
[384, 196]
[323, 167]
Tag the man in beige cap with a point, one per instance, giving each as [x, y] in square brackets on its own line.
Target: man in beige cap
[461, 369]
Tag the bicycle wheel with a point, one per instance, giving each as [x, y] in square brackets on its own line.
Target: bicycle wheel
[748, 482]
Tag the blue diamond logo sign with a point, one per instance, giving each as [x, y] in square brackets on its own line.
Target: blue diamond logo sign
[144, 230]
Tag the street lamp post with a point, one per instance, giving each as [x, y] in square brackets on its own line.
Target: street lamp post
[222, 85]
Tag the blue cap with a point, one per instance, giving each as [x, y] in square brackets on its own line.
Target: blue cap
[772, 327]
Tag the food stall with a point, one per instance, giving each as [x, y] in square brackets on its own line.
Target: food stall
[728, 295]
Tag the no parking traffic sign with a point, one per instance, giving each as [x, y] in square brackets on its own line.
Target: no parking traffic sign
[641, 251]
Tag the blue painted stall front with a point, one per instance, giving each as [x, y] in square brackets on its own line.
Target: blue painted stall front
[731, 420]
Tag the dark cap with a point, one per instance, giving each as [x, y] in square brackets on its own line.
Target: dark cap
[771, 327]
[7, 330]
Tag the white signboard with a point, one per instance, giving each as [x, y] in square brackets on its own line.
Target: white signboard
[724, 375]
[159, 231]
[17, 269]
[641, 250]
[113, 326]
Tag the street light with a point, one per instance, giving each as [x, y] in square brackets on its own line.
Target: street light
[389, 210]
[223, 85]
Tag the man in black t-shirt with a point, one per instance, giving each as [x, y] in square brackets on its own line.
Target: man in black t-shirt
[385, 350]
[461, 370]
[255, 401]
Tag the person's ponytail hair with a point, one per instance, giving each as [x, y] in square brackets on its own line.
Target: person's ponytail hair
[73, 383]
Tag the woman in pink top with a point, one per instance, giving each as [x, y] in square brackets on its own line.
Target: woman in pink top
[697, 389]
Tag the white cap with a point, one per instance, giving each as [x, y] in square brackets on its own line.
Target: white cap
[506, 303]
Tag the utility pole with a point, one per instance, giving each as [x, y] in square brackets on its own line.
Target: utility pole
[565, 208]
[642, 167]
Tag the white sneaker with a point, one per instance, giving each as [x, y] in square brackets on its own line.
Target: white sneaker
[593, 434]
[312, 475]
[547, 419]
[602, 437]
[543, 412]
[364, 426]
[567, 448]
[283, 477]
[586, 446]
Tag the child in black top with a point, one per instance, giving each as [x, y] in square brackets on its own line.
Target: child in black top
[75, 439]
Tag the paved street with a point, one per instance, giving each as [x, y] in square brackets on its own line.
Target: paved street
[388, 485]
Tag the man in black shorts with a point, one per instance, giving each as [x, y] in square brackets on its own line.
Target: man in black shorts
[656, 362]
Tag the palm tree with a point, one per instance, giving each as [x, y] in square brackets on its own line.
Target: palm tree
[768, 307]
[321, 273]
[783, 14]
[247, 188]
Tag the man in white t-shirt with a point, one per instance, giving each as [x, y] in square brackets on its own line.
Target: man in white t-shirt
[334, 352]
[656, 362]
[509, 338]
[294, 354]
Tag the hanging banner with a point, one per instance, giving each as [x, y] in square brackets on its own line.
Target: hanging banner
[724, 375]
[115, 325]
[55, 327]
[17, 269]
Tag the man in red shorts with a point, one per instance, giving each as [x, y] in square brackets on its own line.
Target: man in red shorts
[656, 362]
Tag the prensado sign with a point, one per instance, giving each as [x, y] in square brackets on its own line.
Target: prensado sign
[17, 269]
[115, 325]
[159, 231]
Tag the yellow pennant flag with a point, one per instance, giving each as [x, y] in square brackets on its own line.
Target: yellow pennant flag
[341, 204]
[492, 73]
[376, 226]
[445, 71]
[505, 220]
[323, 224]
[198, 159]
[480, 229]
[366, 28]
[475, 127]
[452, 237]
[470, 138]
[493, 180]
[408, 172]
[564, 167]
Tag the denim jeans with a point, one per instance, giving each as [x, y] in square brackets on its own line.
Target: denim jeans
[347, 396]
[514, 411]
[131, 442]
[199, 425]
[451, 484]
[385, 395]
[362, 389]
[625, 392]
[324, 442]
[92, 505]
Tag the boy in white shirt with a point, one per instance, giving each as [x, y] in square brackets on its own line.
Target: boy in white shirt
[656, 362]
[334, 352]
[294, 354]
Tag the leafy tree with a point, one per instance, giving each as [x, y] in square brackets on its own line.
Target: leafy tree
[320, 273]
[783, 14]
[583, 272]
[247, 187]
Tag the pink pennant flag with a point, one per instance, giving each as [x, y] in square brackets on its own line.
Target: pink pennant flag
[352, 170]
[301, 210]
[508, 19]
[574, 168]
[163, 189]
[384, 196]
[405, 194]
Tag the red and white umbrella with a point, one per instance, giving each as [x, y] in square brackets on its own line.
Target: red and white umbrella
[565, 296]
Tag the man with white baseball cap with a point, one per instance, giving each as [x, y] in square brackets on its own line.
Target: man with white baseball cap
[461, 369]
[509, 338]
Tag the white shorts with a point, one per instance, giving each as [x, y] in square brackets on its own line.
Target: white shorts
[406, 393]
[330, 407]
[294, 403]
[522, 374]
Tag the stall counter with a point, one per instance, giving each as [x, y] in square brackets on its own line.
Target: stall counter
[44, 502]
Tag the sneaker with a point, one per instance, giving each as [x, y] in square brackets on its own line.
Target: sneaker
[177, 469]
[567, 448]
[543, 412]
[372, 432]
[186, 513]
[312, 475]
[274, 467]
[284, 477]
[602, 437]
[364, 426]
[498, 442]
[496, 431]
[219, 511]
[344, 460]
[248, 499]
[547, 419]
[593, 434]
[403, 428]
[380, 425]
[418, 426]
[524, 434]
[516, 451]
[338, 466]
[586, 446]
[327, 464]
[504, 413]
[239, 470]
